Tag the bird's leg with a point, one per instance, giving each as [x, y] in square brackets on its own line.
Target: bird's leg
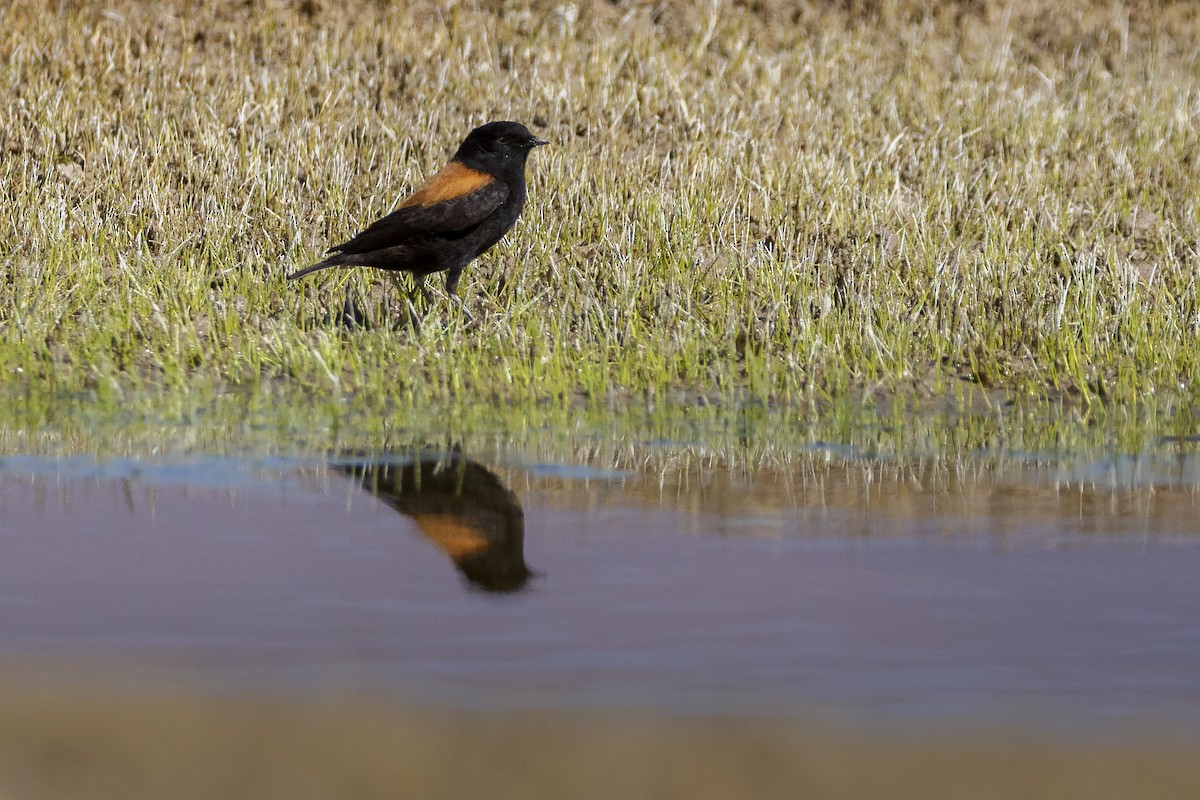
[394, 277]
[419, 287]
[414, 318]
[352, 315]
[466, 311]
[452, 290]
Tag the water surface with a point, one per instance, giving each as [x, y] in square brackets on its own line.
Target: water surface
[1011, 592]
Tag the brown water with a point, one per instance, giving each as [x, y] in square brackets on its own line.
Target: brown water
[996, 595]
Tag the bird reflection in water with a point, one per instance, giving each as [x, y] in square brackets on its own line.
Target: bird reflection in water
[459, 505]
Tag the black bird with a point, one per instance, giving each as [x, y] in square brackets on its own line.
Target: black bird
[459, 505]
[455, 216]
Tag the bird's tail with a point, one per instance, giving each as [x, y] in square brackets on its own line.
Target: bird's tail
[332, 261]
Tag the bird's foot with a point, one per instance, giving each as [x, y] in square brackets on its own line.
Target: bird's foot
[352, 316]
[419, 288]
[414, 317]
[463, 307]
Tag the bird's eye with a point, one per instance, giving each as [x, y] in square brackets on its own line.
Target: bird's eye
[503, 140]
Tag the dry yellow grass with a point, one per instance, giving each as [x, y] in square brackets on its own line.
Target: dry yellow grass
[771, 201]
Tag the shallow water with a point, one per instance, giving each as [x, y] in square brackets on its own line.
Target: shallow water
[1011, 592]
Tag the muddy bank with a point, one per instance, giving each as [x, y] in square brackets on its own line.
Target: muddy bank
[98, 743]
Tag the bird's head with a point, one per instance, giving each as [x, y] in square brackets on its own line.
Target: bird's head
[498, 144]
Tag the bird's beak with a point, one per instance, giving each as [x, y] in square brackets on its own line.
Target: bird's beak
[537, 142]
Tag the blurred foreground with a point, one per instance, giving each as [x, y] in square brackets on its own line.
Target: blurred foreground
[104, 744]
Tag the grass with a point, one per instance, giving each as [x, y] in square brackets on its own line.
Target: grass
[768, 203]
[666, 448]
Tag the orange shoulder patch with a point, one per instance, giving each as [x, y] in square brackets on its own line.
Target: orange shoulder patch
[451, 181]
[453, 536]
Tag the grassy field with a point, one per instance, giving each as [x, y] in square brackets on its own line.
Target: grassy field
[776, 202]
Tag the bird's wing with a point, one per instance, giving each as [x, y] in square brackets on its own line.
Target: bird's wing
[456, 198]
